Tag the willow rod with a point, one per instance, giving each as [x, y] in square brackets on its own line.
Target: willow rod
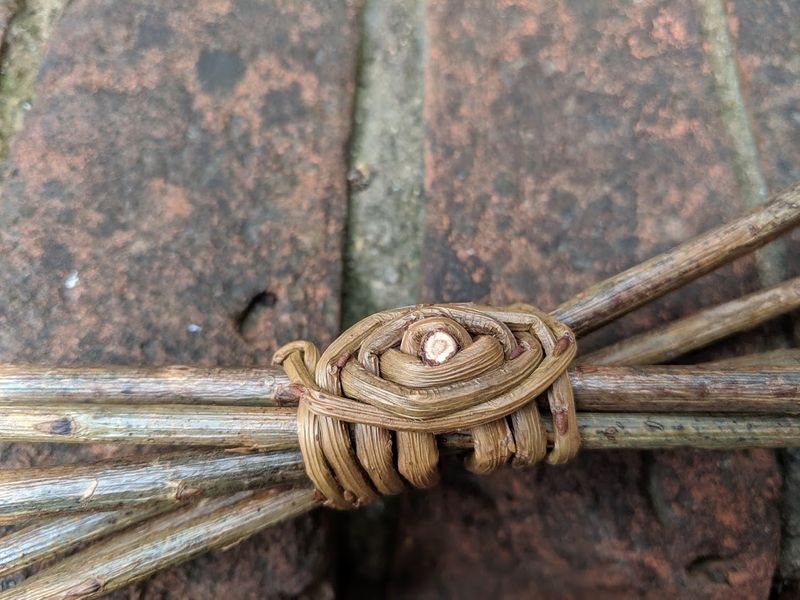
[598, 431]
[167, 424]
[653, 278]
[701, 328]
[111, 484]
[62, 420]
[771, 391]
[55, 535]
[42, 540]
[663, 431]
[174, 538]
[144, 385]
[120, 555]
[660, 431]
[755, 390]
[139, 482]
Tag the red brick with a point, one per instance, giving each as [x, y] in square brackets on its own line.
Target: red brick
[568, 141]
[181, 159]
[767, 43]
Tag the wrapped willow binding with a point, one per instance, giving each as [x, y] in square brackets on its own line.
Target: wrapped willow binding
[371, 413]
[426, 370]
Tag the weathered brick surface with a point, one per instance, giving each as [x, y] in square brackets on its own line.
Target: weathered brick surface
[610, 525]
[568, 145]
[767, 42]
[185, 161]
[181, 159]
[566, 142]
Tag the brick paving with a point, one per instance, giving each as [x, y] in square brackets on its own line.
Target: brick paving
[178, 193]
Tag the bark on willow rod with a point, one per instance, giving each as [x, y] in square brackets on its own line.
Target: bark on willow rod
[700, 329]
[760, 390]
[139, 385]
[604, 431]
[647, 281]
[171, 424]
[174, 538]
[653, 431]
[753, 390]
[142, 481]
[55, 535]
[36, 491]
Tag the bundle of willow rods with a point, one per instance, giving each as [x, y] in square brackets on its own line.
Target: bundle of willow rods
[243, 470]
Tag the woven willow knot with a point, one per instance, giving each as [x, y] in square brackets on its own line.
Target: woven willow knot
[415, 372]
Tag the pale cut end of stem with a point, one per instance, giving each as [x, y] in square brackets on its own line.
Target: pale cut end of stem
[438, 347]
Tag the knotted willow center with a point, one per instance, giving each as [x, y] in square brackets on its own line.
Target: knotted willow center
[374, 401]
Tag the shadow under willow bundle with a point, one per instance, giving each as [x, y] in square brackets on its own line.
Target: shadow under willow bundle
[370, 415]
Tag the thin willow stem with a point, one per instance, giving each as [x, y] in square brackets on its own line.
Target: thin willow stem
[773, 391]
[163, 542]
[140, 482]
[754, 390]
[112, 484]
[176, 537]
[653, 278]
[30, 384]
[653, 431]
[661, 431]
[169, 424]
[55, 535]
[698, 330]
